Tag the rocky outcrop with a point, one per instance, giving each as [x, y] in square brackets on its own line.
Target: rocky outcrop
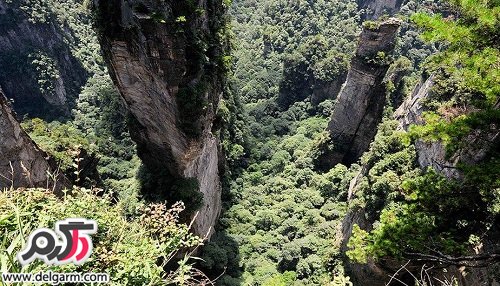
[361, 101]
[361, 274]
[433, 154]
[166, 59]
[22, 163]
[373, 9]
[429, 154]
[37, 69]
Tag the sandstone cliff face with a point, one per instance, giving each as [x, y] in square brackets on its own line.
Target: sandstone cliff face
[433, 154]
[361, 100]
[373, 9]
[328, 90]
[361, 274]
[164, 56]
[429, 154]
[22, 163]
[45, 89]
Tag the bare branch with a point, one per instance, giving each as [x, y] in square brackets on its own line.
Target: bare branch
[469, 261]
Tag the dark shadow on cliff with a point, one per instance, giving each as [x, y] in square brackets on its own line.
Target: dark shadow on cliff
[220, 254]
[221, 257]
[161, 186]
[39, 72]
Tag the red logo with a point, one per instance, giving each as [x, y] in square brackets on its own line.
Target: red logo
[69, 243]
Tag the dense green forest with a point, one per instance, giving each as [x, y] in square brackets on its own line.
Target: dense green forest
[283, 219]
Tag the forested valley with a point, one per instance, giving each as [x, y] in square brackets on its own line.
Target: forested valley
[255, 142]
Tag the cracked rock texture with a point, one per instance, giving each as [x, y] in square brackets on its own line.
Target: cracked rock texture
[429, 154]
[164, 58]
[361, 100]
[433, 154]
[22, 163]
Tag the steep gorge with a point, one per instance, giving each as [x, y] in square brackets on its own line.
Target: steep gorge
[39, 71]
[284, 221]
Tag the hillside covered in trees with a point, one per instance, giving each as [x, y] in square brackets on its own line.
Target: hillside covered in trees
[256, 142]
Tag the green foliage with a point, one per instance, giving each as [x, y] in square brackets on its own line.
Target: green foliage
[98, 115]
[312, 64]
[277, 204]
[358, 245]
[63, 141]
[72, 17]
[429, 212]
[132, 251]
[449, 132]
[380, 58]
[97, 124]
[297, 34]
[279, 217]
[46, 70]
[285, 279]
[397, 223]
[469, 65]
[420, 211]
[436, 208]
[371, 25]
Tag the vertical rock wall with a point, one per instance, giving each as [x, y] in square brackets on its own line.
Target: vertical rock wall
[361, 101]
[165, 58]
[373, 9]
[47, 89]
[429, 154]
[22, 163]
[433, 154]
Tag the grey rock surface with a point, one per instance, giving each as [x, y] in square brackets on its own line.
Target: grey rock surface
[22, 163]
[361, 100]
[22, 40]
[373, 9]
[156, 63]
[430, 154]
[433, 154]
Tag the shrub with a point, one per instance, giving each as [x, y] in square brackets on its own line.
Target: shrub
[132, 251]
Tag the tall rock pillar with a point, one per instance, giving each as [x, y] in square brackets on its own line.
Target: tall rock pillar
[166, 57]
[361, 100]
